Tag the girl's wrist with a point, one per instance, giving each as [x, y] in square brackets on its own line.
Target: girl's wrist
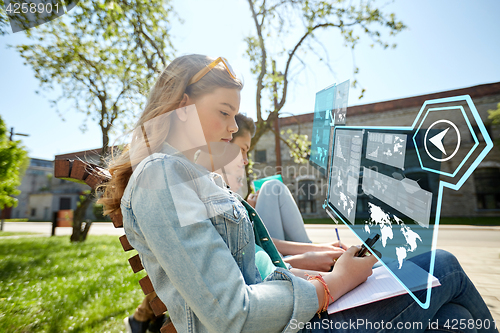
[335, 284]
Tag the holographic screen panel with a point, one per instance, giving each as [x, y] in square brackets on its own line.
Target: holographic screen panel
[390, 181]
[329, 110]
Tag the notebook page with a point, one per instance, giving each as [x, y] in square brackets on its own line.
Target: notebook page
[380, 285]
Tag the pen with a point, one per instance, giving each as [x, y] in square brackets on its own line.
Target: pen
[338, 237]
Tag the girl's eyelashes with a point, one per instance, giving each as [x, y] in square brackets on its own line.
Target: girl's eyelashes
[225, 114]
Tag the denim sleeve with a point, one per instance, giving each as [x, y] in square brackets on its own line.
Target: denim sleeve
[200, 266]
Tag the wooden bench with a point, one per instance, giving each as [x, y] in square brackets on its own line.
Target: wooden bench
[94, 175]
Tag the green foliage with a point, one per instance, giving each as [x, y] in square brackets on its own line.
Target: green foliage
[299, 145]
[4, 21]
[495, 115]
[103, 55]
[13, 162]
[15, 233]
[98, 210]
[52, 285]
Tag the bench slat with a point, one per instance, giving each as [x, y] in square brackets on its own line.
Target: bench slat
[62, 168]
[79, 170]
[117, 219]
[135, 263]
[168, 328]
[93, 181]
[146, 285]
[125, 244]
[158, 306]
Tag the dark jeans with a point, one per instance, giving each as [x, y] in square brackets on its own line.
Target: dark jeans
[455, 306]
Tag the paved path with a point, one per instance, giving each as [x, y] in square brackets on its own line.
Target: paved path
[477, 249]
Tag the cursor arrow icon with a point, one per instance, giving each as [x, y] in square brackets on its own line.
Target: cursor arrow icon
[437, 140]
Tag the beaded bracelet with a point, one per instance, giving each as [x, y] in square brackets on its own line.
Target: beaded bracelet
[327, 297]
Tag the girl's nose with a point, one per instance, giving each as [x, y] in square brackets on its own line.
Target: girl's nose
[233, 127]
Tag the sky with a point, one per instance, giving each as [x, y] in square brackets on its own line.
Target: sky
[449, 44]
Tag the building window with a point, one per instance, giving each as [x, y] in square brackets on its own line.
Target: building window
[261, 156]
[306, 192]
[487, 182]
[33, 211]
[64, 203]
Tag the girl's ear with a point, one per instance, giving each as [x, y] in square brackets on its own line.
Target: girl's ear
[181, 110]
[185, 101]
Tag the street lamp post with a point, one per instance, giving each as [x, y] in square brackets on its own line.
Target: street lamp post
[12, 134]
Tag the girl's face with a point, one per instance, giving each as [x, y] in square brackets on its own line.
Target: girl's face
[236, 175]
[244, 141]
[216, 112]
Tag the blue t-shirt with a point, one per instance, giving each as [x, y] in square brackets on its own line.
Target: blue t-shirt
[263, 262]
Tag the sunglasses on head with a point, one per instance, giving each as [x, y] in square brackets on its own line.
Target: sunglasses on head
[209, 67]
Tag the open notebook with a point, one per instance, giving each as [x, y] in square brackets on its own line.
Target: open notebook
[381, 285]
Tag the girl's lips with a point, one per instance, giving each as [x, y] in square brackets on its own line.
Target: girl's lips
[226, 140]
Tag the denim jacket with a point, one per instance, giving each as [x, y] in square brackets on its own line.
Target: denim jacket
[196, 242]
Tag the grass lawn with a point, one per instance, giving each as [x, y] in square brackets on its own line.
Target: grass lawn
[48, 284]
[484, 221]
[15, 233]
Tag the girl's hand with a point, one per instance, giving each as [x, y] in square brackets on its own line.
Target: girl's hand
[339, 244]
[318, 261]
[252, 199]
[330, 246]
[349, 272]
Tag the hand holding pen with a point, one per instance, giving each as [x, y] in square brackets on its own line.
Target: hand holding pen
[370, 242]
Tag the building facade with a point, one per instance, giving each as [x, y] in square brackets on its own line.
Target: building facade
[42, 194]
[478, 197]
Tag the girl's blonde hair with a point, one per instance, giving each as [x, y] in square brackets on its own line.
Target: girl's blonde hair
[165, 96]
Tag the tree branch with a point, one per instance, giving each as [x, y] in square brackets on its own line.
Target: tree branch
[153, 43]
[260, 79]
[290, 57]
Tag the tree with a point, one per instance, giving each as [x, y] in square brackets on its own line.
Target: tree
[102, 55]
[13, 162]
[494, 115]
[3, 19]
[275, 45]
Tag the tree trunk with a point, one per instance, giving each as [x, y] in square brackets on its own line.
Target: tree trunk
[81, 227]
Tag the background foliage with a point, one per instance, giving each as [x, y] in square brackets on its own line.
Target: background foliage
[13, 163]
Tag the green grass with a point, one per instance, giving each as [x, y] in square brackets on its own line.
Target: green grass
[50, 285]
[483, 221]
[16, 233]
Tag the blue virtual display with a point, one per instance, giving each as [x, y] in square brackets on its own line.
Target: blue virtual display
[329, 110]
[390, 180]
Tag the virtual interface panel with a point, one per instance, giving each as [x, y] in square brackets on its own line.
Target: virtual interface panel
[378, 186]
[390, 180]
[329, 110]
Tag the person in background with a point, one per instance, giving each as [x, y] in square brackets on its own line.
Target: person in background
[280, 214]
[273, 202]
